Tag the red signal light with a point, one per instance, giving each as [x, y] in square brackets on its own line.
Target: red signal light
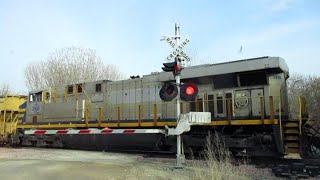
[189, 91]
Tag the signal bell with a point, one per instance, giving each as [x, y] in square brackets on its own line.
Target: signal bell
[169, 91]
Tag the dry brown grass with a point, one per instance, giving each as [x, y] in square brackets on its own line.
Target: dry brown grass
[217, 163]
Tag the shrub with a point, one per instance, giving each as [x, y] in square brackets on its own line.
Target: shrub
[216, 162]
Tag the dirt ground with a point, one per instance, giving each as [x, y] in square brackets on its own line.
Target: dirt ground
[51, 164]
[60, 164]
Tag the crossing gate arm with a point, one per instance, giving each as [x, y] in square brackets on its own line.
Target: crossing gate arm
[183, 125]
[94, 131]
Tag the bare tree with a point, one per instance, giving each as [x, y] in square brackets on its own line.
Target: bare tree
[69, 65]
[308, 87]
[295, 85]
[4, 89]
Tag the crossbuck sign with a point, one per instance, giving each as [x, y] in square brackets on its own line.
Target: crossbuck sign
[177, 50]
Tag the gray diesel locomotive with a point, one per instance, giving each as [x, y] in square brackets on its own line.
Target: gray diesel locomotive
[247, 100]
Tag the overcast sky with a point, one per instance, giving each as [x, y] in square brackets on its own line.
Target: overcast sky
[127, 33]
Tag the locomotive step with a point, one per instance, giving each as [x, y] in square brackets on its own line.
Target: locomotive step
[292, 145]
[291, 131]
[291, 124]
[291, 138]
[290, 120]
[292, 150]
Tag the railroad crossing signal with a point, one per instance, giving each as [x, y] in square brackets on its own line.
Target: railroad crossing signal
[174, 67]
[188, 92]
[174, 42]
[170, 67]
[168, 92]
[177, 49]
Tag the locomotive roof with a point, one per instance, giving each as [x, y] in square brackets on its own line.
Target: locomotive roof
[244, 65]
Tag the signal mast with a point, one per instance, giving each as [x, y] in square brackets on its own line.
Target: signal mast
[169, 91]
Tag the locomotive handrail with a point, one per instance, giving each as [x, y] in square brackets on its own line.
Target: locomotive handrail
[99, 116]
[147, 114]
[262, 109]
[300, 113]
[121, 110]
[271, 107]
[280, 120]
[86, 117]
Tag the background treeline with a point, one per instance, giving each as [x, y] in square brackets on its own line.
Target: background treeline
[308, 87]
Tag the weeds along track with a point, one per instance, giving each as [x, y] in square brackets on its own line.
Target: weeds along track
[286, 168]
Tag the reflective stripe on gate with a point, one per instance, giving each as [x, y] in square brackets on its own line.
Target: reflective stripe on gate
[96, 131]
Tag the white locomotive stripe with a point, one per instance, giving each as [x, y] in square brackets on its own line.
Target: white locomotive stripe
[95, 131]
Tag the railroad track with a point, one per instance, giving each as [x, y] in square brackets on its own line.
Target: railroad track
[286, 168]
[289, 168]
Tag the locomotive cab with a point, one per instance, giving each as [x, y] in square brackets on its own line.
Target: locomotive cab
[236, 94]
